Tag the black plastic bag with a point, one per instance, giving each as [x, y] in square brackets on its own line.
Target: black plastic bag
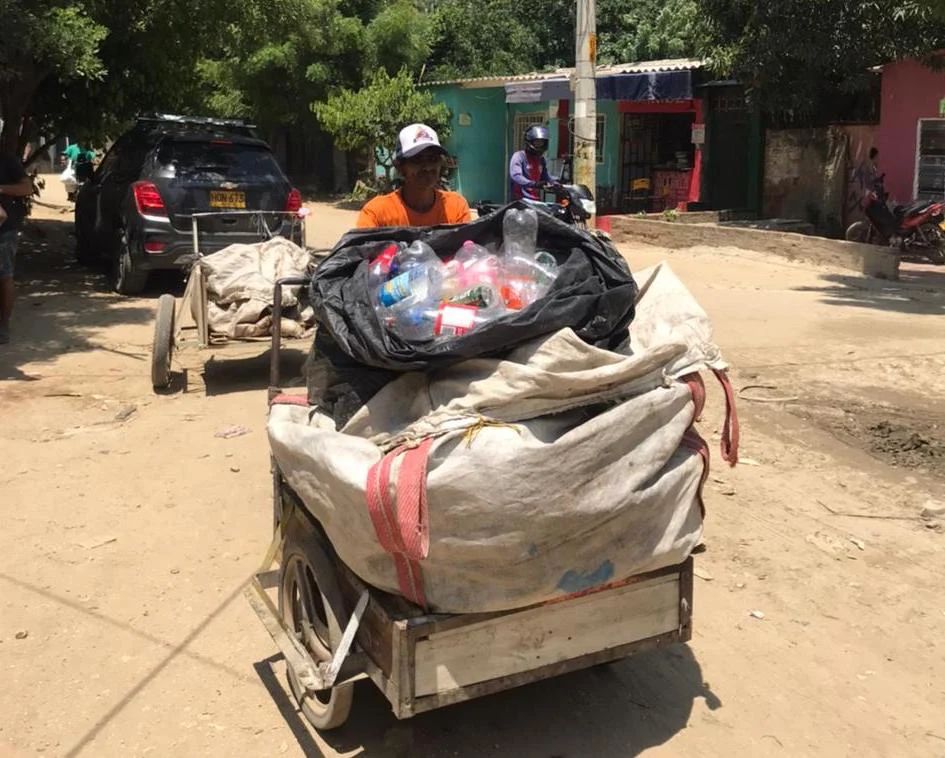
[594, 294]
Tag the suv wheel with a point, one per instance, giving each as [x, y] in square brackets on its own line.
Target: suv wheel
[129, 280]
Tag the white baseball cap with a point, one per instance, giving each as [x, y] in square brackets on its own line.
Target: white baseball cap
[415, 139]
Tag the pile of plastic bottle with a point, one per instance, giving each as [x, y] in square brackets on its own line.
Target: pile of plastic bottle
[421, 298]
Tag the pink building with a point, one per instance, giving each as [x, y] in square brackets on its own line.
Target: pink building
[911, 137]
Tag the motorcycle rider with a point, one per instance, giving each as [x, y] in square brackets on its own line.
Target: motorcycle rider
[528, 170]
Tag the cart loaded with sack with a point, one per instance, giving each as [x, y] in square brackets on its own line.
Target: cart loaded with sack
[463, 513]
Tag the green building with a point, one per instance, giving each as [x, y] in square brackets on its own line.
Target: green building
[666, 136]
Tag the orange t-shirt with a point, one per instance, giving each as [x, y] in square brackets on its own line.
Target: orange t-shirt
[390, 210]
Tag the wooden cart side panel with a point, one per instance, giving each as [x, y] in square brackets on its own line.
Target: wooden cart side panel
[431, 702]
[537, 637]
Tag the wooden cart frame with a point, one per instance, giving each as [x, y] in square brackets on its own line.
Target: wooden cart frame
[191, 311]
[422, 661]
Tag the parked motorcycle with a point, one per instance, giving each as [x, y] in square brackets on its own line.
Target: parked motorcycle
[574, 204]
[917, 228]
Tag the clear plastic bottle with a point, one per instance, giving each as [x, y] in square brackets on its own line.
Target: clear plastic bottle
[520, 231]
[413, 320]
[473, 265]
[419, 283]
[527, 278]
[417, 253]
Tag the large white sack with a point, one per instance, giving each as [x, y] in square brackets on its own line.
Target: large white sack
[558, 469]
[240, 280]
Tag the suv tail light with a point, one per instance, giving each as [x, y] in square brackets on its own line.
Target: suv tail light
[293, 203]
[148, 199]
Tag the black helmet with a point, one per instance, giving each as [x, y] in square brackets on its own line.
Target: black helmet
[536, 139]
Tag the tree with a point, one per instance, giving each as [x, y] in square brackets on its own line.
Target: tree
[41, 39]
[372, 117]
[647, 29]
[482, 39]
[794, 55]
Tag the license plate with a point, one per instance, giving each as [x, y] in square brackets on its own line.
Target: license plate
[221, 199]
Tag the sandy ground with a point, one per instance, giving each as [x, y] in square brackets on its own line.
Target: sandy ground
[130, 529]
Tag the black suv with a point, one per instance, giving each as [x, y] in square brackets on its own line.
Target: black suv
[135, 211]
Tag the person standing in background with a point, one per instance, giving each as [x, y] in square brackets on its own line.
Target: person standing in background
[15, 185]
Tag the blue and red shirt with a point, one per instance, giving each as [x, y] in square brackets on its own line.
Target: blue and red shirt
[526, 173]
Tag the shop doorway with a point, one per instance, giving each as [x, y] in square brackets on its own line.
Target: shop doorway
[656, 160]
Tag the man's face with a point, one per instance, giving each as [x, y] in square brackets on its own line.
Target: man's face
[423, 169]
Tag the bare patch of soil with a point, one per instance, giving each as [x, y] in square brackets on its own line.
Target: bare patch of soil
[900, 437]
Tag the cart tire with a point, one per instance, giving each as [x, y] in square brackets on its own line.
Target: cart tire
[163, 345]
[308, 591]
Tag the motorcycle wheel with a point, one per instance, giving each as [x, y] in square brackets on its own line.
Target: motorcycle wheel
[858, 231]
[935, 252]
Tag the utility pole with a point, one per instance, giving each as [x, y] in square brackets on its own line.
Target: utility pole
[585, 96]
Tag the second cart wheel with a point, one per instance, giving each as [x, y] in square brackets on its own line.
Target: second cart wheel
[163, 345]
[311, 605]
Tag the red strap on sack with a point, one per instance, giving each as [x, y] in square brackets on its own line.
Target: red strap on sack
[730, 430]
[697, 389]
[693, 440]
[286, 399]
[400, 518]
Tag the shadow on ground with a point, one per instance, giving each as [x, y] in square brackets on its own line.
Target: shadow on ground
[920, 290]
[228, 368]
[61, 306]
[613, 711]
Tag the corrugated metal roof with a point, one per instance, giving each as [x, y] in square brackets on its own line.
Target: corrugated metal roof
[640, 67]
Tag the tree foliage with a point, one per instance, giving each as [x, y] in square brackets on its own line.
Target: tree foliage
[41, 39]
[371, 118]
[796, 54]
[647, 29]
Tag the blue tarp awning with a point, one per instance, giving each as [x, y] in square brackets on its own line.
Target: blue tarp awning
[635, 87]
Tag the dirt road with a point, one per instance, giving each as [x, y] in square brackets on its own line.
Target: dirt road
[130, 529]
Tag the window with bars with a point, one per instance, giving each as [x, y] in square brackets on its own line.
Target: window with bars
[930, 161]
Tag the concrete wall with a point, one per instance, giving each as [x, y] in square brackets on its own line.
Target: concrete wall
[910, 91]
[872, 260]
[806, 177]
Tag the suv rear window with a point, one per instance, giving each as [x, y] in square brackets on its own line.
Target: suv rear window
[216, 161]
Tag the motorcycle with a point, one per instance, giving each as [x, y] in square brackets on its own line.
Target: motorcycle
[574, 204]
[917, 228]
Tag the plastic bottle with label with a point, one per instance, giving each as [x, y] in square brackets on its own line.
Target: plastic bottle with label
[418, 284]
[380, 267]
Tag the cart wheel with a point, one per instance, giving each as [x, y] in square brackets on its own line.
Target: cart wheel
[310, 604]
[163, 343]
